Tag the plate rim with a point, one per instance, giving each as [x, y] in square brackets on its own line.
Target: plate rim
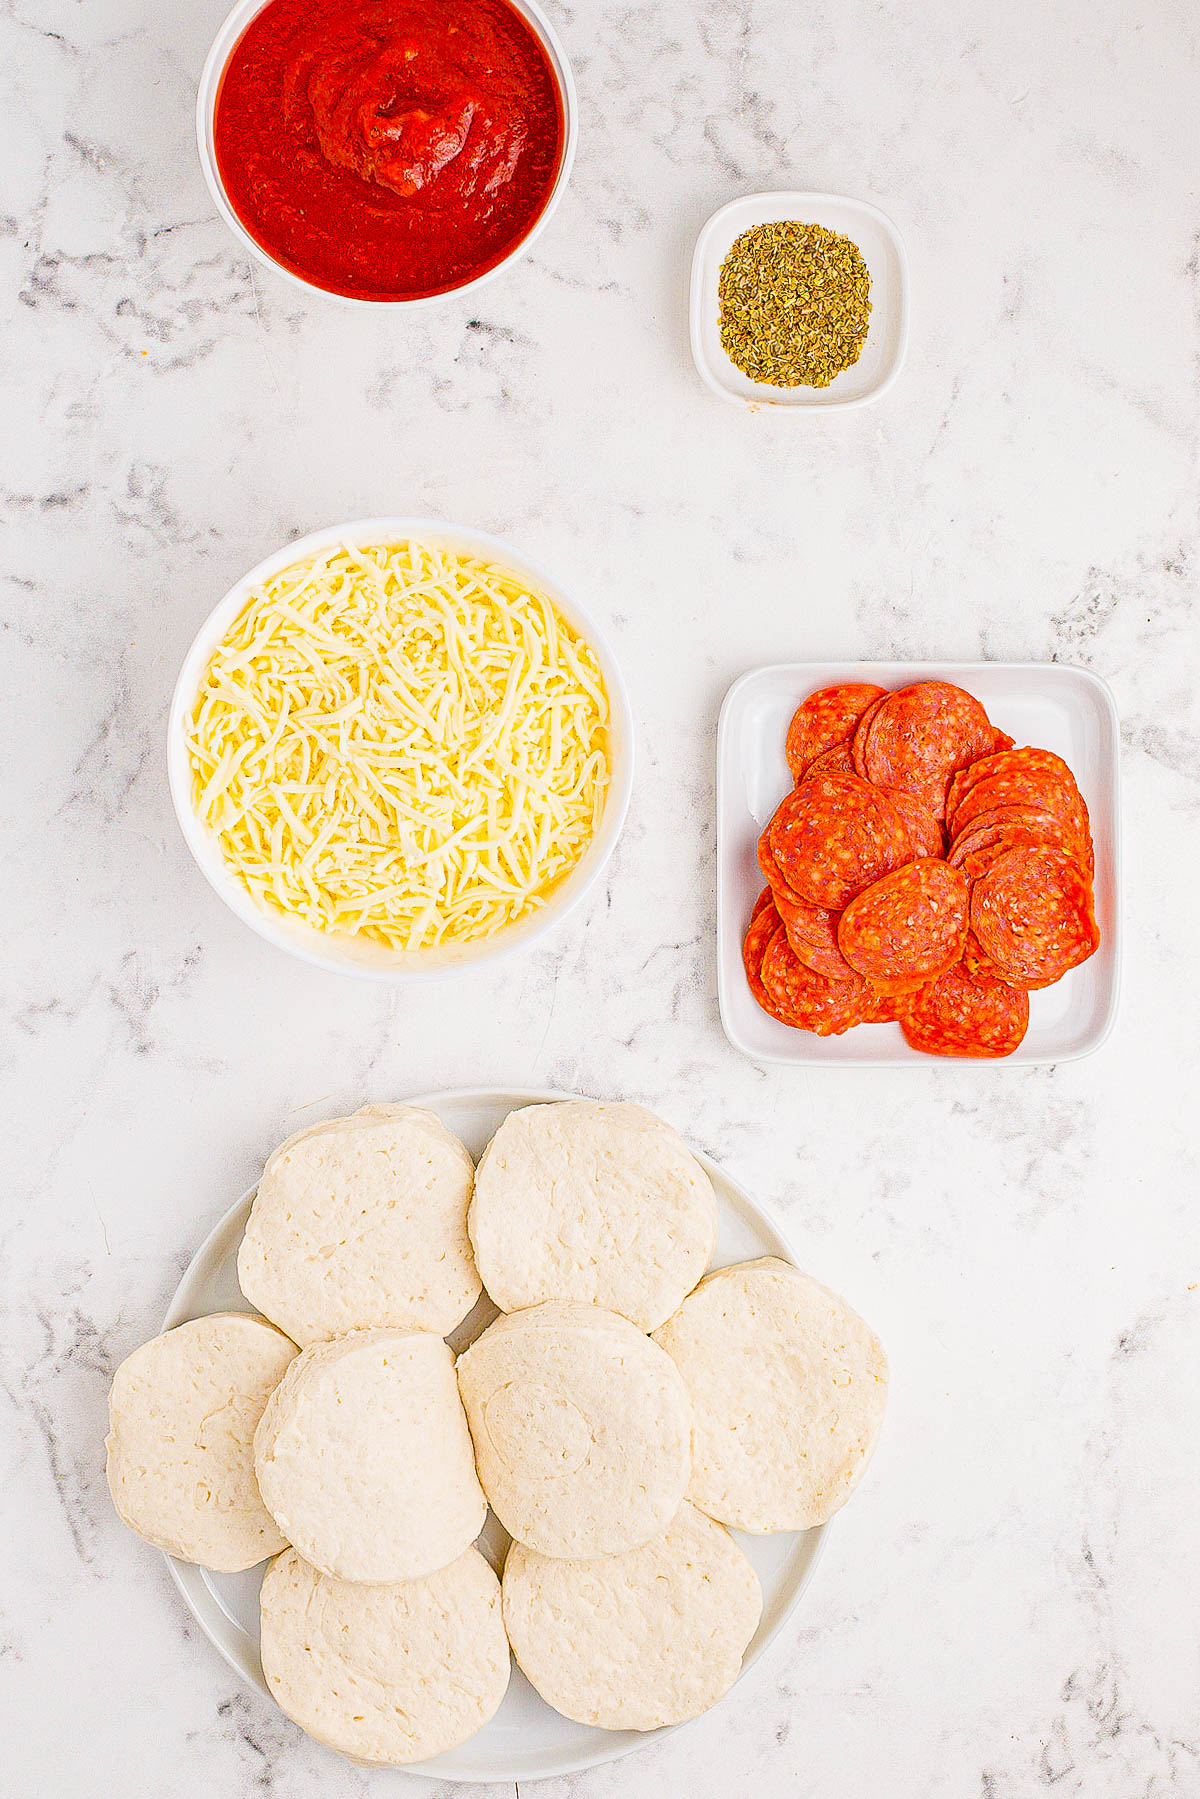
[188, 1576]
[865, 669]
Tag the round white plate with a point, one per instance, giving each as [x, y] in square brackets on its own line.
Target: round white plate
[526, 1740]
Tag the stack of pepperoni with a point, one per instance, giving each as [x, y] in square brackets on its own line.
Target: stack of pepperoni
[922, 871]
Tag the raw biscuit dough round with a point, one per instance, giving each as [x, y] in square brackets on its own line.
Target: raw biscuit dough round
[385, 1674]
[788, 1385]
[361, 1222]
[182, 1415]
[635, 1641]
[582, 1428]
[587, 1201]
[364, 1459]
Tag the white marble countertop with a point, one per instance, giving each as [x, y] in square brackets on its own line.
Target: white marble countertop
[1010, 1602]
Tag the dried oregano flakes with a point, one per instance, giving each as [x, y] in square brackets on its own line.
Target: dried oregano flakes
[795, 303]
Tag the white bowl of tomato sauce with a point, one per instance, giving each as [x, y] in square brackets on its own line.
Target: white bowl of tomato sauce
[386, 152]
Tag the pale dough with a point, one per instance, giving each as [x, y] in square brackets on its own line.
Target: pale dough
[634, 1641]
[589, 1201]
[788, 1387]
[183, 1412]
[362, 1221]
[364, 1459]
[385, 1674]
[581, 1427]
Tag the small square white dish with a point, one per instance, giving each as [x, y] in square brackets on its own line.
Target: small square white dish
[883, 251]
[1052, 704]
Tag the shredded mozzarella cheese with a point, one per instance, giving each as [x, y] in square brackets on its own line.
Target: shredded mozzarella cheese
[401, 744]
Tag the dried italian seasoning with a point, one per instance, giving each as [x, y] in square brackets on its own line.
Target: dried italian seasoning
[795, 303]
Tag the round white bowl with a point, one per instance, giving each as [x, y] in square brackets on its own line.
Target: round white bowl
[223, 46]
[358, 956]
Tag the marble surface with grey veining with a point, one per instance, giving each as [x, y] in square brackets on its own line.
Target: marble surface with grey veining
[1009, 1606]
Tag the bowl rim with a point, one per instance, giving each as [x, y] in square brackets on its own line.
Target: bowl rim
[574, 889]
[798, 197]
[225, 41]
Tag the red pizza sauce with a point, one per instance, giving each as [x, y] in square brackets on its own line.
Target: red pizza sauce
[388, 149]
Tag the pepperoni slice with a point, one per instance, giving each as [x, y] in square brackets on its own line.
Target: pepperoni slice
[812, 930]
[923, 827]
[1028, 761]
[965, 1013]
[975, 962]
[833, 836]
[922, 735]
[908, 928]
[825, 719]
[883, 1007]
[772, 873]
[764, 922]
[1032, 913]
[1045, 790]
[986, 839]
[801, 997]
[837, 761]
[812, 933]
[1001, 760]
[1061, 833]
[858, 743]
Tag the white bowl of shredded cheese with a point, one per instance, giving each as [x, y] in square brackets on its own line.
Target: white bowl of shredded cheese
[397, 750]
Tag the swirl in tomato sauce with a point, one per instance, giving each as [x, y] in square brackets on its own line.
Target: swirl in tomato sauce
[388, 149]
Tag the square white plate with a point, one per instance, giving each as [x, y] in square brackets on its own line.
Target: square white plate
[887, 339]
[1052, 704]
